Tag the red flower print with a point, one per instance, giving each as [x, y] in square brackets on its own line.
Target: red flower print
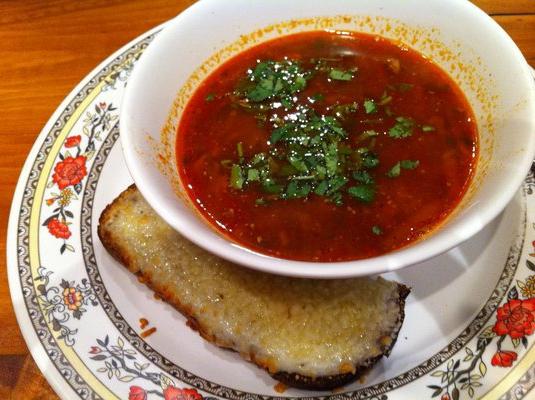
[516, 318]
[58, 229]
[102, 105]
[503, 358]
[95, 350]
[73, 141]
[173, 393]
[445, 397]
[70, 171]
[137, 393]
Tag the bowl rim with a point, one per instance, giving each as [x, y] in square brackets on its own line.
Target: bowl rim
[415, 253]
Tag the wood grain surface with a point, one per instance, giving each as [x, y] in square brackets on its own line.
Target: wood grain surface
[47, 48]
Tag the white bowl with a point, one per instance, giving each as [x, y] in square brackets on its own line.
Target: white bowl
[455, 34]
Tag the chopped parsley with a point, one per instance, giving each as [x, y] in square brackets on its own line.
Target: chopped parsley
[409, 164]
[236, 177]
[404, 87]
[395, 171]
[385, 99]
[364, 193]
[340, 75]
[370, 107]
[376, 230]
[210, 97]
[311, 152]
[402, 128]
[428, 128]
[363, 177]
[275, 80]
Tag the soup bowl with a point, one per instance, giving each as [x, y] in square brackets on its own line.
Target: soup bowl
[481, 58]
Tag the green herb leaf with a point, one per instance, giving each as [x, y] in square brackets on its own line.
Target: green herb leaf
[239, 149]
[295, 190]
[209, 97]
[402, 128]
[364, 193]
[409, 164]
[385, 100]
[275, 80]
[236, 177]
[331, 158]
[253, 175]
[298, 163]
[428, 128]
[404, 87]
[343, 110]
[336, 183]
[363, 177]
[270, 186]
[322, 188]
[340, 75]
[395, 171]
[260, 202]
[370, 106]
[317, 97]
[226, 163]
[376, 230]
[368, 134]
[369, 160]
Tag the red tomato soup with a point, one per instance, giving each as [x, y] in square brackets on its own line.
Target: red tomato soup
[327, 146]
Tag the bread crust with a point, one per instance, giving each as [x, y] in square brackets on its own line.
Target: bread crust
[290, 379]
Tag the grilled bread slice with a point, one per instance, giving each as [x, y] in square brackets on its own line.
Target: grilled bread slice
[312, 334]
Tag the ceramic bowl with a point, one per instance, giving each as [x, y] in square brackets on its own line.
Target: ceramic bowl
[455, 34]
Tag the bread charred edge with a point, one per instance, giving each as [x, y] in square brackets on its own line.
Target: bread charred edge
[335, 381]
[291, 379]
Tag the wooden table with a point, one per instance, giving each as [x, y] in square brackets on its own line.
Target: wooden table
[47, 48]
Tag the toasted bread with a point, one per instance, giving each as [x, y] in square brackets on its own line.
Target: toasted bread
[312, 334]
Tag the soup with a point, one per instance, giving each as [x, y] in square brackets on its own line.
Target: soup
[327, 146]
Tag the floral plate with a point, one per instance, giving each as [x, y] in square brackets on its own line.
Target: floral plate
[469, 330]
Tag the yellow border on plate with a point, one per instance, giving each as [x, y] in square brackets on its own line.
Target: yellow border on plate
[35, 261]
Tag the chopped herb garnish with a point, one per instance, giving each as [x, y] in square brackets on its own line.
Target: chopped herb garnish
[318, 97]
[363, 177]
[226, 163]
[260, 202]
[340, 75]
[369, 160]
[253, 175]
[210, 97]
[236, 177]
[364, 193]
[310, 153]
[269, 186]
[404, 87]
[368, 134]
[385, 99]
[402, 128]
[428, 128]
[395, 171]
[239, 149]
[296, 190]
[343, 110]
[370, 106]
[277, 80]
[376, 230]
[409, 164]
